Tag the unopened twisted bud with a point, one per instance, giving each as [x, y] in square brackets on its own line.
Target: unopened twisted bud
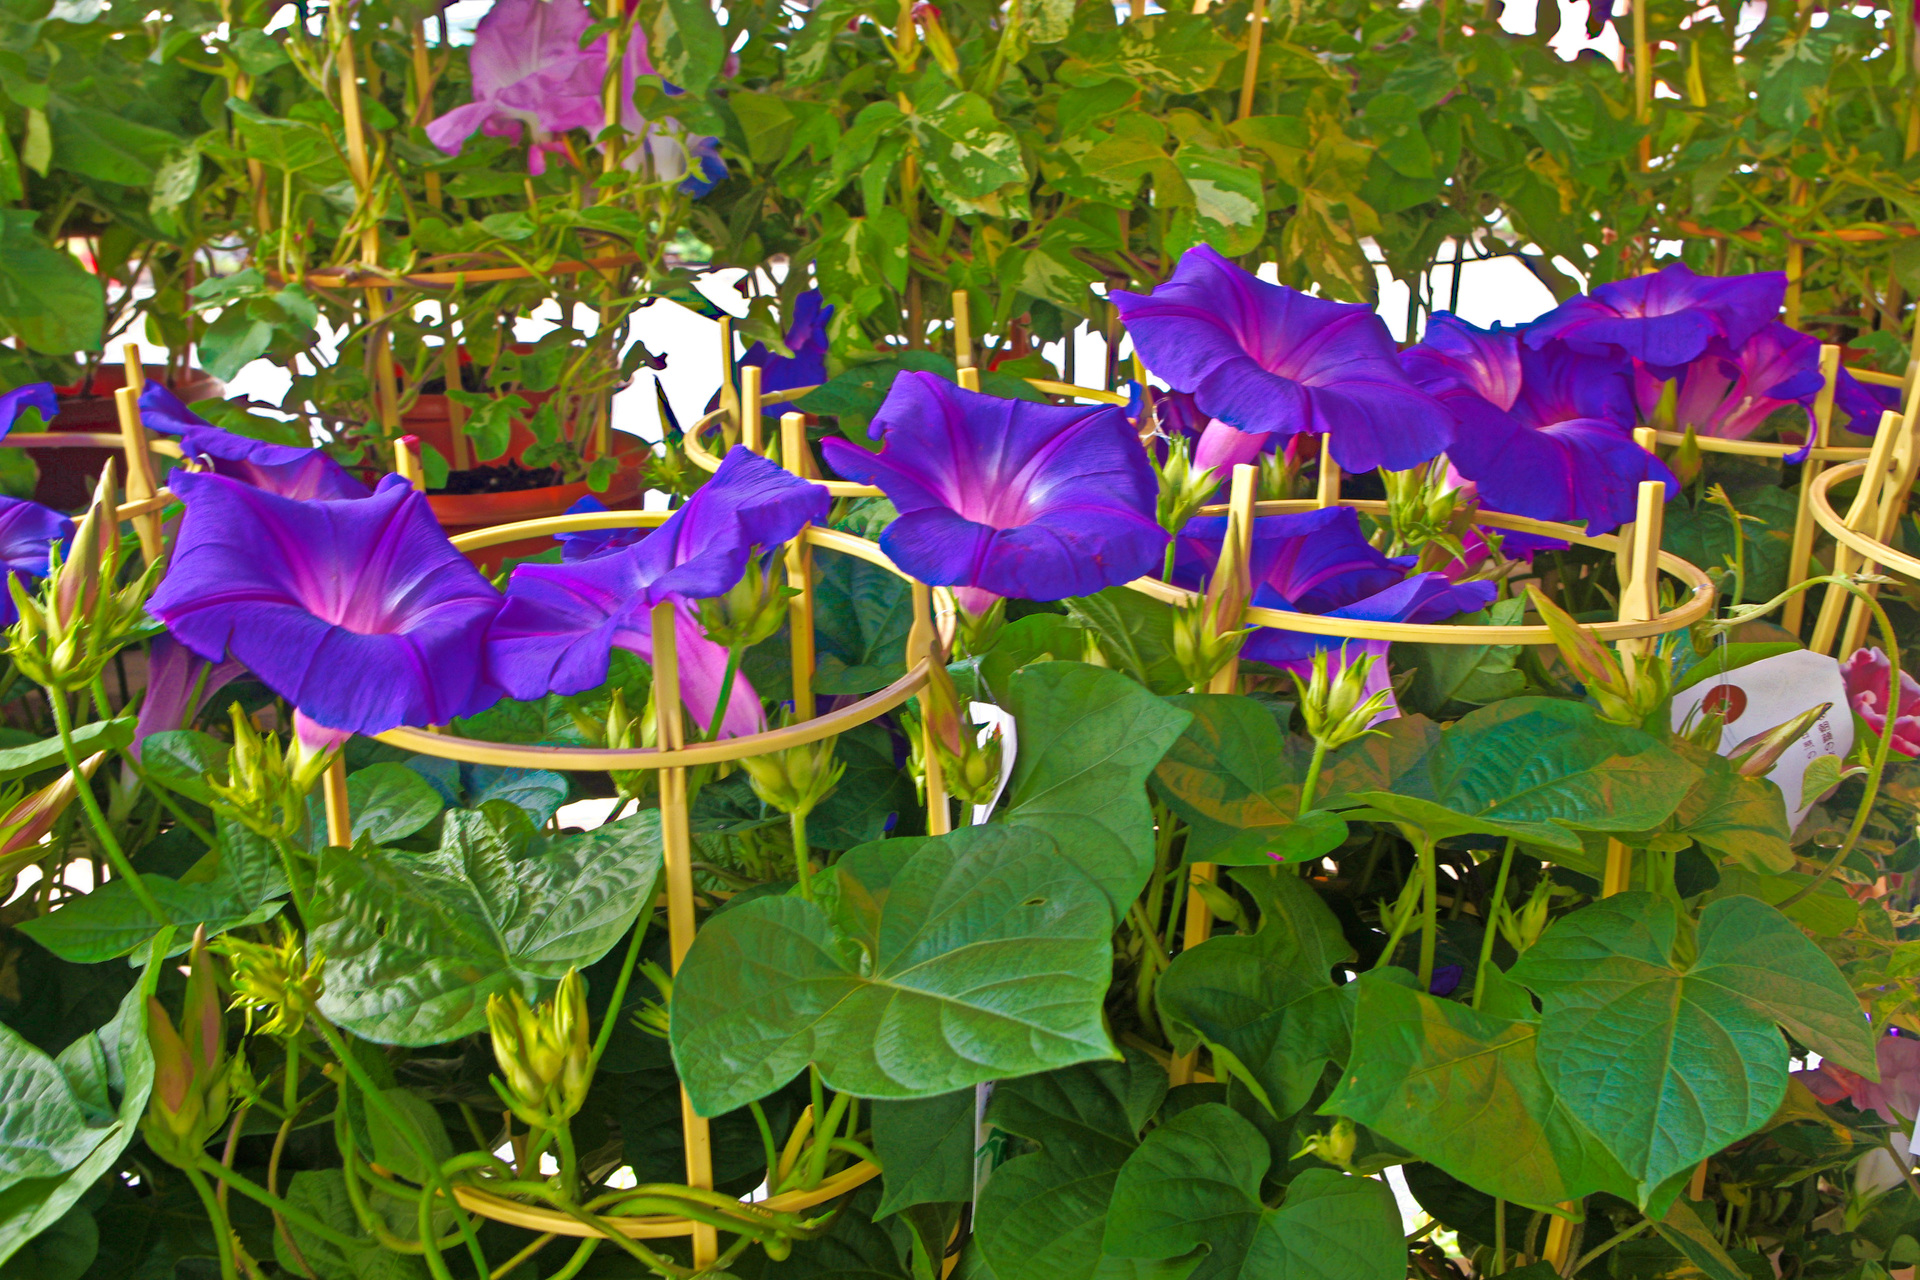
[971, 769]
[266, 787]
[191, 1072]
[1623, 697]
[752, 609]
[275, 979]
[1184, 488]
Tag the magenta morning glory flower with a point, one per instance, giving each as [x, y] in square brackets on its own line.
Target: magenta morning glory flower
[1868, 679]
[561, 621]
[1864, 402]
[178, 682]
[1008, 497]
[1665, 319]
[1272, 360]
[288, 470]
[358, 612]
[35, 395]
[1729, 396]
[27, 532]
[1545, 434]
[529, 72]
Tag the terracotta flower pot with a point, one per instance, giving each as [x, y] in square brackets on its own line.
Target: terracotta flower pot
[67, 476]
[467, 512]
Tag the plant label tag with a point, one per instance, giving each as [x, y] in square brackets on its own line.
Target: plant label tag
[989, 1143]
[992, 720]
[1770, 692]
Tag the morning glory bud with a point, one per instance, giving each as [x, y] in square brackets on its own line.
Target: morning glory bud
[544, 1054]
[1337, 708]
[751, 610]
[1621, 699]
[1755, 756]
[266, 788]
[275, 979]
[1199, 646]
[796, 779]
[1184, 488]
[78, 619]
[190, 1069]
[970, 770]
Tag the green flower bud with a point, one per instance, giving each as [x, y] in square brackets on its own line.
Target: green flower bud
[1184, 488]
[1338, 709]
[1334, 1146]
[1623, 697]
[544, 1053]
[1522, 928]
[653, 1016]
[1200, 646]
[266, 788]
[970, 770]
[796, 779]
[274, 978]
[191, 1073]
[752, 609]
[78, 618]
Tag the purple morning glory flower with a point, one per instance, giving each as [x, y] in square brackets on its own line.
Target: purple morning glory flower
[1314, 560]
[529, 70]
[35, 395]
[561, 621]
[27, 531]
[1730, 396]
[1864, 402]
[806, 337]
[288, 470]
[1268, 359]
[358, 612]
[178, 682]
[1007, 497]
[1319, 562]
[585, 544]
[1545, 434]
[1666, 319]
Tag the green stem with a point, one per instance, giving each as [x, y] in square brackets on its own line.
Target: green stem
[618, 1002]
[574, 1265]
[122, 866]
[1429, 907]
[823, 1134]
[1312, 783]
[168, 803]
[569, 1159]
[299, 1217]
[290, 863]
[404, 1126]
[1486, 937]
[802, 863]
[766, 1140]
[1619, 1237]
[726, 694]
[222, 1230]
[1499, 1228]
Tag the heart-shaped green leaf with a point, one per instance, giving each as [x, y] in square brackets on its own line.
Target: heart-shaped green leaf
[415, 943]
[1234, 778]
[1539, 770]
[1464, 1091]
[986, 954]
[1265, 1002]
[1089, 738]
[1196, 1181]
[1668, 1059]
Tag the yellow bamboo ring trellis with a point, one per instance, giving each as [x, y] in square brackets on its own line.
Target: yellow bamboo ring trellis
[670, 760]
[1871, 550]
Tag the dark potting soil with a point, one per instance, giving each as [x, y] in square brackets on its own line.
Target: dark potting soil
[508, 478]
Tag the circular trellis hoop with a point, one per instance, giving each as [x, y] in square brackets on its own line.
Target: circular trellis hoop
[1886, 480]
[671, 759]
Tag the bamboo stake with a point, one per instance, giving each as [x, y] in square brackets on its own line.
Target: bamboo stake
[962, 330]
[423, 80]
[923, 642]
[794, 456]
[1639, 602]
[386, 387]
[333, 796]
[406, 463]
[968, 378]
[1251, 78]
[729, 397]
[1860, 516]
[1895, 484]
[1801, 554]
[141, 483]
[1327, 492]
[751, 408]
[677, 846]
[1230, 590]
